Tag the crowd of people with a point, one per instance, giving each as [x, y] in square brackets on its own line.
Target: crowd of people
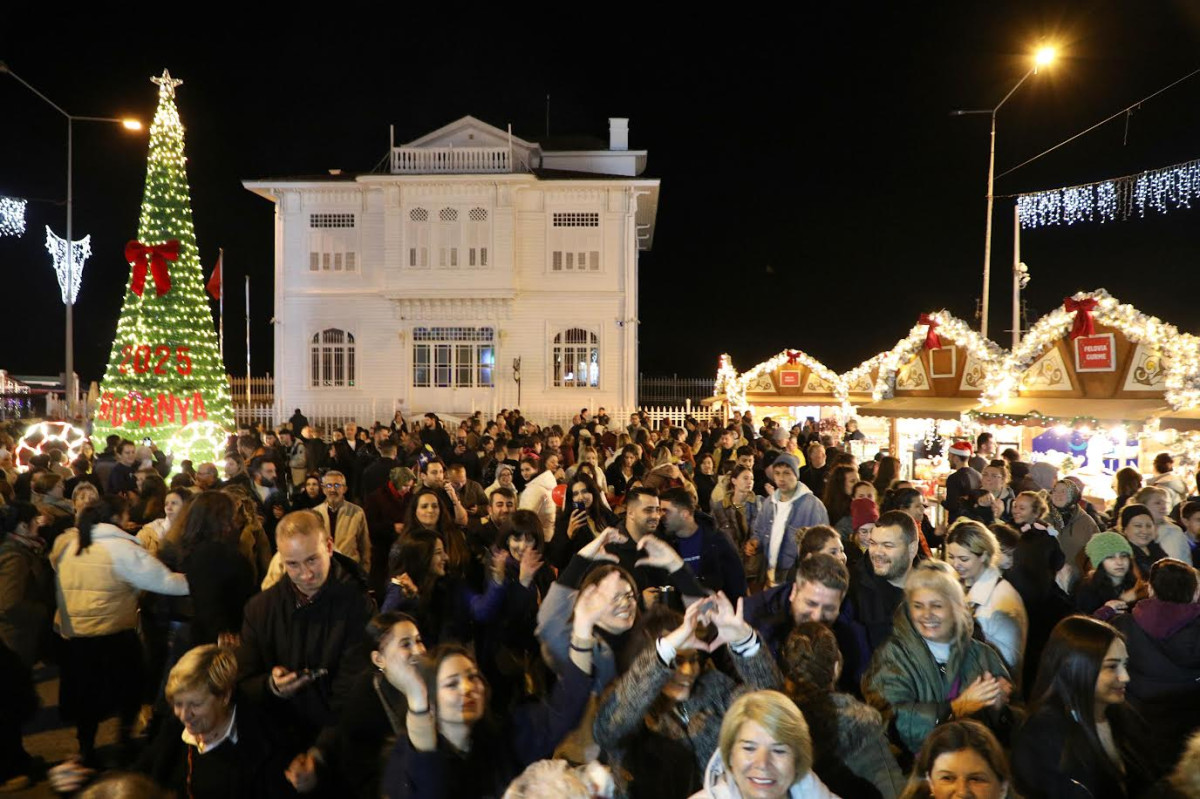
[493, 608]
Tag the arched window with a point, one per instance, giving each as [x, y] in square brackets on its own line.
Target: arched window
[576, 359]
[331, 361]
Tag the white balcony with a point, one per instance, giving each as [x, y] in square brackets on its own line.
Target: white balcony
[453, 161]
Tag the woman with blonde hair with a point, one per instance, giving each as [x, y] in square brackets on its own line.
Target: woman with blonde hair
[931, 669]
[764, 750]
[973, 552]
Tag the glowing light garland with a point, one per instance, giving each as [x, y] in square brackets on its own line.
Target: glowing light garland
[735, 385]
[949, 327]
[37, 436]
[199, 442]
[12, 216]
[1160, 190]
[1180, 351]
[80, 251]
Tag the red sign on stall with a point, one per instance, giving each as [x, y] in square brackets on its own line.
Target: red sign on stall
[1095, 353]
[789, 378]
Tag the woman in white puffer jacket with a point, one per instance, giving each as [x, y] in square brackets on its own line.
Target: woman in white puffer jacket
[100, 571]
[538, 494]
[764, 751]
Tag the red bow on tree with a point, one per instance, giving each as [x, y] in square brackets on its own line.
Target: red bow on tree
[932, 341]
[1083, 316]
[153, 259]
[793, 357]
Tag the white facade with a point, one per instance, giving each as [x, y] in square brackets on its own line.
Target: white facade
[417, 289]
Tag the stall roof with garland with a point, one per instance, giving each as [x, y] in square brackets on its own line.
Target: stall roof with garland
[1154, 360]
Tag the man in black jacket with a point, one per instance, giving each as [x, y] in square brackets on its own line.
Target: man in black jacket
[708, 552]
[301, 647]
[877, 583]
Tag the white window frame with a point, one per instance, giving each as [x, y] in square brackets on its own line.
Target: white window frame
[565, 343]
[454, 356]
[333, 243]
[332, 359]
[574, 242]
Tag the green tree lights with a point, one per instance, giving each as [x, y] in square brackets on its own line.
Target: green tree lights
[165, 371]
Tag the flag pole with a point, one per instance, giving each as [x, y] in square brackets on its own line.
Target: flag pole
[221, 303]
[247, 341]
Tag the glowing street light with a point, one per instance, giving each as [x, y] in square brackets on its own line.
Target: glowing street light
[69, 387]
[1044, 56]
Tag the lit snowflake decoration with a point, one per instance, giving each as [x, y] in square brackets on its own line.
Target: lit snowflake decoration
[80, 251]
[12, 216]
[198, 442]
[38, 436]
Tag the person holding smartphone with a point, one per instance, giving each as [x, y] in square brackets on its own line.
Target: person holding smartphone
[581, 521]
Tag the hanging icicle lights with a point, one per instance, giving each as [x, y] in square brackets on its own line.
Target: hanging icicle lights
[1161, 190]
[81, 251]
[12, 216]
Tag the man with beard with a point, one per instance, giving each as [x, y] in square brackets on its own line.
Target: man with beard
[272, 502]
[492, 530]
[877, 583]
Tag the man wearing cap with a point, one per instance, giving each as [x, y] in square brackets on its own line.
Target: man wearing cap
[961, 481]
[790, 507]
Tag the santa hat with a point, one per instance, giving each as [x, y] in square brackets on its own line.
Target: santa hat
[961, 448]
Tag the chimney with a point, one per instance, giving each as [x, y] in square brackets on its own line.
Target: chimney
[618, 133]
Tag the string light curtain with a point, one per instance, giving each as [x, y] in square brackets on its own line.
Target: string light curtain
[1161, 190]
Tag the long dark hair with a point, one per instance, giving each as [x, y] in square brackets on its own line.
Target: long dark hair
[444, 522]
[110, 507]
[412, 554]
[1066, 682]
[888, 473]
[836, 499]
[594, 490]
[810, 659]
[208, 517]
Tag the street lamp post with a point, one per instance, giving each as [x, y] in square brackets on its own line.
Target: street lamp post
[69, 388]
[1042, 58]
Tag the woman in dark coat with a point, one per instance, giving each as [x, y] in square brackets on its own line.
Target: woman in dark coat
[350, 755]
[578, 523]
[455, 747]
[1082, 738]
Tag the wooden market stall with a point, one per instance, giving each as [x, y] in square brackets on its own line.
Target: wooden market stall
[789, 387]
[924, 385]
[1090, 384]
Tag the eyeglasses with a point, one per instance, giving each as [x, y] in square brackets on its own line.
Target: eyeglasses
[336, 486]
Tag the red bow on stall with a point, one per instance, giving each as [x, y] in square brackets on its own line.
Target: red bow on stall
[1083, 316]
[153, 259]
[932, 341]
[793, 357]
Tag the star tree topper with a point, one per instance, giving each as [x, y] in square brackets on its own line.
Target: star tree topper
[166, 84]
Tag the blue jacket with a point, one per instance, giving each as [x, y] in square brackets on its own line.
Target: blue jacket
[805, 511]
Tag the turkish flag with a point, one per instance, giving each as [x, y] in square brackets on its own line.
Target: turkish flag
[214, 282]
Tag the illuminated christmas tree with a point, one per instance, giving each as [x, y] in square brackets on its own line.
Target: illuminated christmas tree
[165, 379]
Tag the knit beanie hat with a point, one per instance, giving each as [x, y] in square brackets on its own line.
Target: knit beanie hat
[1104, 545]
[863, 511]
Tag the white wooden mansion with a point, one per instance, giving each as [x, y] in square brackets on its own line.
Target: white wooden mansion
[418, 288]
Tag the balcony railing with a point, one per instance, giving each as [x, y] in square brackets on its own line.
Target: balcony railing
[451, 160]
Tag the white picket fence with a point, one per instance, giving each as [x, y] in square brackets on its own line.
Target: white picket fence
[327, 416]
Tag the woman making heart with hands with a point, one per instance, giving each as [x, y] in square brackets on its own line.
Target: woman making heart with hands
[660, 720]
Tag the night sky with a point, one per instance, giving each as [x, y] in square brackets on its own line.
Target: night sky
[816, 193]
